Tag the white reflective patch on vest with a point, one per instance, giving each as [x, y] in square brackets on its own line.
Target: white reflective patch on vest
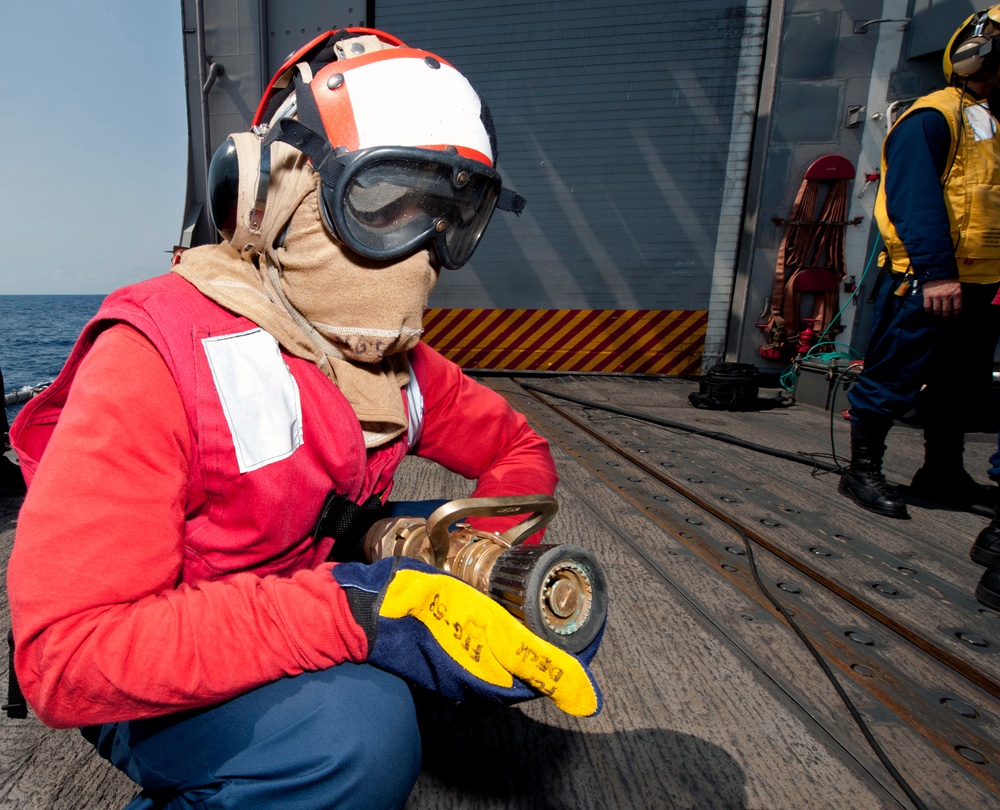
[259, 396]
[984, 126]
[414, 410]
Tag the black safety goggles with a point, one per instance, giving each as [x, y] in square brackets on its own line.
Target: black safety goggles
[388, 201]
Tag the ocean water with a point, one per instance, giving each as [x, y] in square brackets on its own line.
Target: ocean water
[37, 333]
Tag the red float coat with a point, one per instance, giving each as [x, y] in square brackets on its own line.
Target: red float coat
[149, 574]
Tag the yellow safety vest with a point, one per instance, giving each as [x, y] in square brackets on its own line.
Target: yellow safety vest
[971, 188]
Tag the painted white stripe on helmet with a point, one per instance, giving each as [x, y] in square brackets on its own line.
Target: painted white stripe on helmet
[403, 102]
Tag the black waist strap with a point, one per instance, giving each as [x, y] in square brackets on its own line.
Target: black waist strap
[346, 522]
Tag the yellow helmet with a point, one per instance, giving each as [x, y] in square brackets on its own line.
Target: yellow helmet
[973, 52]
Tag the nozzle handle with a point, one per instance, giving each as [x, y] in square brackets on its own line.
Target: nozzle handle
[542, 508]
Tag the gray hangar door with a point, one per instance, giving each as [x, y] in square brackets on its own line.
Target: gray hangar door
[628, 129]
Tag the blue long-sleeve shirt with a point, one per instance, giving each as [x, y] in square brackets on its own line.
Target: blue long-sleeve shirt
[916, 155]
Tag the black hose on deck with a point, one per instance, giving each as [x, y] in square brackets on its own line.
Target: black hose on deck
[799, 458]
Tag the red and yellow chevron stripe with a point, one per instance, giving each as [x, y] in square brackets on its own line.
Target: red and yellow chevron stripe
[609, 341]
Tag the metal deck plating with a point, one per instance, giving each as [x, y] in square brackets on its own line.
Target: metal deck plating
[712, 700]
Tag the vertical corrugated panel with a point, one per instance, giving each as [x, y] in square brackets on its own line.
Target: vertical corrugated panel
[616, 123]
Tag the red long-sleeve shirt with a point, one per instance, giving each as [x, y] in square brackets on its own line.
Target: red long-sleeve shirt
[103, 630]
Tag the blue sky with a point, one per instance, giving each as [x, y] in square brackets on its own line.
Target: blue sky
[94, 144]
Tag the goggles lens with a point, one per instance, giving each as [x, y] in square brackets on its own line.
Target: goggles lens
[390, 201]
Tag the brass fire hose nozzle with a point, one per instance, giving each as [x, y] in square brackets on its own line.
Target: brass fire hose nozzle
[557, 591]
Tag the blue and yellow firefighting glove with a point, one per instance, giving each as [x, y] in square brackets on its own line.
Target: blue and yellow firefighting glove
[434, 630]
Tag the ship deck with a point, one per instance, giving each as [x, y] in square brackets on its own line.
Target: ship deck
[712, 698]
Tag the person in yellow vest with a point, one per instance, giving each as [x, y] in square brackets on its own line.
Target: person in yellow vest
[935, 328]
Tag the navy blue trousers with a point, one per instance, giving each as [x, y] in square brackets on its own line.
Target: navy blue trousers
[346, 737]
[994, 470]
[910, 348]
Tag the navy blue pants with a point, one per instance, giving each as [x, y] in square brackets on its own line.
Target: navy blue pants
[994, 470]
[910, 348]
[346, 737]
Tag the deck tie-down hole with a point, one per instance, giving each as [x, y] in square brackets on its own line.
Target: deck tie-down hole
[971, 754]
[860, 638]
[845, 537]
[971, 638]
[736, 550]
[909, 572]
[959, 707]
[727, 499]
[821, 552]
[695, 521]
[788, 587]
[864, 671]
[886, 590]
[770, 522]
[730, 568]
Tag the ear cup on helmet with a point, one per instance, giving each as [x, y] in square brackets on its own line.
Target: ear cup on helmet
[973, 55]
[238, 178]
[973, 51]
[224, 188]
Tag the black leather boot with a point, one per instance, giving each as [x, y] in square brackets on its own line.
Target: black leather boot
[986, 549]
[943, 479]
[863, 481]
[988, 589]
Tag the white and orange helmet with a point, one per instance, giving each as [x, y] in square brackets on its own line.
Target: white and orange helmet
[403, 144]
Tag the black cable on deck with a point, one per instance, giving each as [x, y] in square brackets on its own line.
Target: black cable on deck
[799, 458]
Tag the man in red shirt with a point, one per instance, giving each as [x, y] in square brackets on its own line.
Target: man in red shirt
[169, 592]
